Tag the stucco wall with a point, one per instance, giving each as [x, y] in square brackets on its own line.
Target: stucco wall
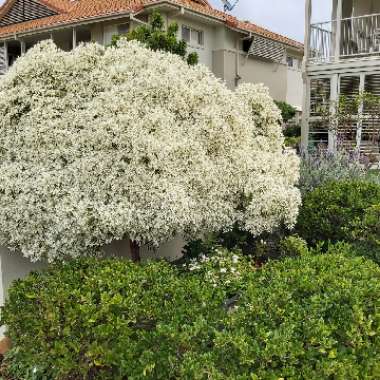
[273, 75]
[204, 52]
[294, 93]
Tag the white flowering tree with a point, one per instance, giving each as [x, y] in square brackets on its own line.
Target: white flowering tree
[100, 144]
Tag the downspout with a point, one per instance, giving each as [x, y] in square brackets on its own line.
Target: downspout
[237, 62]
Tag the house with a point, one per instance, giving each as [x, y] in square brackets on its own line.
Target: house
[342, 63]
[234, 50]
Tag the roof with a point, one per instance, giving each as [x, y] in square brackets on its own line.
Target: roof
[76, 11]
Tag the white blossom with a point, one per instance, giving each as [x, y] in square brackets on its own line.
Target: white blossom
[101, 143]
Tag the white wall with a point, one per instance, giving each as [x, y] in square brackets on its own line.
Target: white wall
[294, 93]
[271, 74]
[205, 51]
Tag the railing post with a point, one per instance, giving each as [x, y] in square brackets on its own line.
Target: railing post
[6, 59]
[338, 33]
[359, 126]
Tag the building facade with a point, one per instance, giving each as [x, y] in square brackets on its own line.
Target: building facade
[341, 72]
[235, 51]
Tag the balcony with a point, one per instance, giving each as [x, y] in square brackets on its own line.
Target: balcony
[359, 37]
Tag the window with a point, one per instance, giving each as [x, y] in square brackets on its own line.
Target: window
[186, 31]
[290, 61]
[197, 37]
[123, 28]
[193, 36]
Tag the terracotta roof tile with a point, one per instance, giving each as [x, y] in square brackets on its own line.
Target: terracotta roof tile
[73, 11]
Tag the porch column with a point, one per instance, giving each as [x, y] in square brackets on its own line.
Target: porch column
[359, 127]
[308, 13]
[306, 80]
[334, 91]
[74, 38]
[23, 47]
[338, 26]
[6, 60]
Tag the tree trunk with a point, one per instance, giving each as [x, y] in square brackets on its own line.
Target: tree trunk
[135, 251]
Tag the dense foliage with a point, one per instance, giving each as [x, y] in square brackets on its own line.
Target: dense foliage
[314, 317]
[156, 37]
[333, 211]
[287, 110]
[99, 144]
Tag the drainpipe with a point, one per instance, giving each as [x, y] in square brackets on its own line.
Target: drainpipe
[237, 62]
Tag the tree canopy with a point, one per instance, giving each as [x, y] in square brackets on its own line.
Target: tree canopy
[156, 37]
[99, 144]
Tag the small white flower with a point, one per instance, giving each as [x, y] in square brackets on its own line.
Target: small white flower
[235, 259]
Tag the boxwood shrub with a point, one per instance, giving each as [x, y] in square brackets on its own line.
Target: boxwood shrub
[312, 317]
[331, 211]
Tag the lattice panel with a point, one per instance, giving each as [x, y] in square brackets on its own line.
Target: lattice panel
[268, 49]
[25, 10]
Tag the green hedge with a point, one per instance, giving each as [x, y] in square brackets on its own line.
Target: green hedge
[333, 211]
[314, 317]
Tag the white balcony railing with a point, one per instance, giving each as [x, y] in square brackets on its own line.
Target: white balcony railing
[359, 37]
[322, 41]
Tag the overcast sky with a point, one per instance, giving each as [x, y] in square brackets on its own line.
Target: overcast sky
[281, 16]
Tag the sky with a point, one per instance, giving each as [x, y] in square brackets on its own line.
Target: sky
[281, 16]
[285, 17]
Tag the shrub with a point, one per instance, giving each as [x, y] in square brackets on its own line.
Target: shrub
[315, 317]
[292, 131]
[146, 147]
[287, 110]
[322, 167]
[367, 227]
[156, 37]
[293, 246]
[329, 212]
[110, 319]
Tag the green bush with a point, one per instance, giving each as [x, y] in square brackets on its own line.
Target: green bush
[314, 317]
[293, 246]
[287, 110]
[110, 319]
[366, 228]
[330, 212]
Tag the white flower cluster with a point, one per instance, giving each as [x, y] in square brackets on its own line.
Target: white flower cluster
[102, 143]
[220, 268]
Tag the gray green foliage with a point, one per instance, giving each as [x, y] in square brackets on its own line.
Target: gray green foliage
[322, 167]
